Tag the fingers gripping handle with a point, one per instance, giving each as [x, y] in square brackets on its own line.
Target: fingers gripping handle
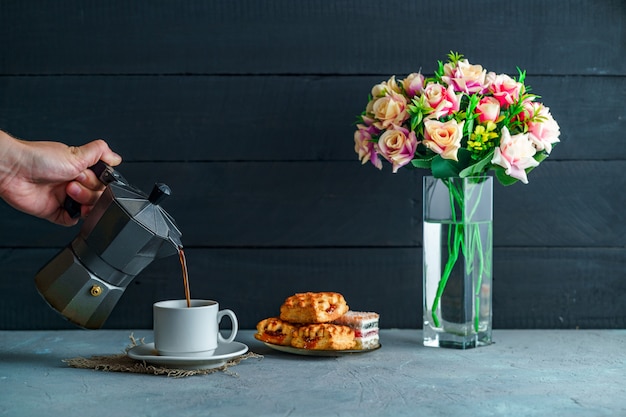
[105, 174]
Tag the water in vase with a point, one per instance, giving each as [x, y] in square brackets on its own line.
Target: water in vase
[457, 284]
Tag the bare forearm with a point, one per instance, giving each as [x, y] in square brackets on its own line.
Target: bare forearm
[10, 150]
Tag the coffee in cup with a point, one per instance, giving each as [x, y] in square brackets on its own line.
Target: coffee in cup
[180, 330]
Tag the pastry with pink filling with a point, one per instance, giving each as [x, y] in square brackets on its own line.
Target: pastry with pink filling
[365, 325]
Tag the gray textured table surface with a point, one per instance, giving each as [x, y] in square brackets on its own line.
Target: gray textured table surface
[525, 373]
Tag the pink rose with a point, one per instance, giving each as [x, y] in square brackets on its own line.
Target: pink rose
[466, 77]
[413, 84]
[390, 110]
[443, 101]
[515, 154]
[545, 130]
[488, 109]
[505, 89]
[443, 138]
[364, 146]
[397, 146]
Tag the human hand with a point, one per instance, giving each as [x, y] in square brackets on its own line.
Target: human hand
[36, 177]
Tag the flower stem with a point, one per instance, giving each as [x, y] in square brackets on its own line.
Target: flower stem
[455, 240]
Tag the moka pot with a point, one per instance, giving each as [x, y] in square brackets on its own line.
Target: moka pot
[124, 232]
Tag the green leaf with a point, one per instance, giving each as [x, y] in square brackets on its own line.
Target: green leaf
[478, 168]
[421, 163]
[446, 168]
[540, 156]
[439, 72]
[522, 75]
[454, 57]
[504, 179]
[416, 119]
[443, 168]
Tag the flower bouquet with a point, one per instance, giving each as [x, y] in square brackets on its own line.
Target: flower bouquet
[460, 124]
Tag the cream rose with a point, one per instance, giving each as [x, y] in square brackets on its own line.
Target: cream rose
[443, 101]
[390, 110]
[466, 77]
[434, 94]
[443, 138]
[413, 84]
[386, 87]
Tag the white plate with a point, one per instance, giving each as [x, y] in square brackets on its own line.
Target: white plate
[312, 352]
[223, 353]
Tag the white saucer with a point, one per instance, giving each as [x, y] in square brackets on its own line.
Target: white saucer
[223, 353]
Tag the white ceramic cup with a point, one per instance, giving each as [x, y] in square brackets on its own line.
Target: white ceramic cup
[190, 331]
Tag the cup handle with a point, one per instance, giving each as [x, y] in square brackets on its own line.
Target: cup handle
[235, 325]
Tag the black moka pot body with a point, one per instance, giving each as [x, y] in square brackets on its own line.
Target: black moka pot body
[125, 231]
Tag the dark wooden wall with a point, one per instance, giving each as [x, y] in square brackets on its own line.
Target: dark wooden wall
[246, 109]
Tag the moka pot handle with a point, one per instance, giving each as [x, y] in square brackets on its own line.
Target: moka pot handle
[105, 174]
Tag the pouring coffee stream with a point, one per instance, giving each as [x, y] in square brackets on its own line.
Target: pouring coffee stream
[125, 231]
[183, 264]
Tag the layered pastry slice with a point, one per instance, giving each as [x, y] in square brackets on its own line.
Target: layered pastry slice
[365, 326]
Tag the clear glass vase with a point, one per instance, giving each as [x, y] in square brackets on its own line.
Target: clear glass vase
[457, 261]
